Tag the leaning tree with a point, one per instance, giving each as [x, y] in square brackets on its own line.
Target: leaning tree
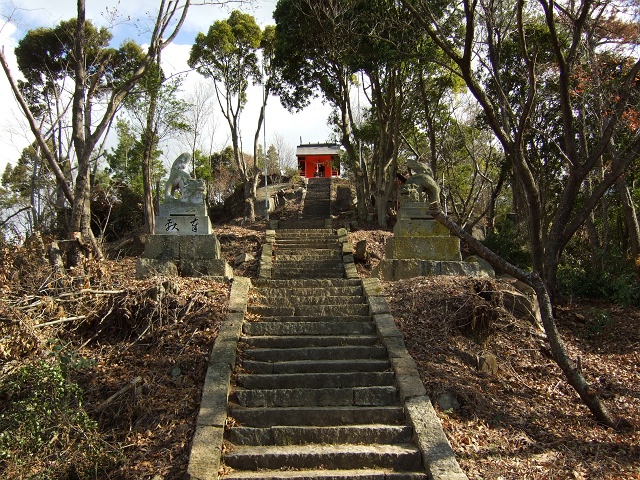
[523, 63]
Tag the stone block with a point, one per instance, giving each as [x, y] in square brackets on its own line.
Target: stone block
[407, 268]
[425, 248]
[523, 306]
[384, 270]
[226, 345]
[485, 267]
[395, 346]
[410, 386]
[238, 296]
[437, 455]
[183, 225]
[242, 258]
[162, 247]
[372, 287]
[350, 271]
[386, 326]
[206, 450]
[460, 268]
[378, 305]
[149, 267]
[419, 228]
[414, 210]
[182, 208]
[430, 267]
[199, 247]
[213, 408]
[404, 365]
[205, 268]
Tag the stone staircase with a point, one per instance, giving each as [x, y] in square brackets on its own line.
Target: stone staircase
[315, 211]
[315, 395]
[323, 387]
[306, 253]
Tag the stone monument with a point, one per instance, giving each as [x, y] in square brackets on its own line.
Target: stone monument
[183, 242]
[420, 245]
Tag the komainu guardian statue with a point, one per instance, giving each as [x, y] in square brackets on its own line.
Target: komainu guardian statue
[191, 190]
[420, 187]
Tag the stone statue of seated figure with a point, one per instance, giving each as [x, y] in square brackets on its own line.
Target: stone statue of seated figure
[191, 190]
[420, 187]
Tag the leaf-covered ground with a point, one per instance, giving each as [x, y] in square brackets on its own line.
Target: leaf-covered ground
[139, 350]
[525, 421]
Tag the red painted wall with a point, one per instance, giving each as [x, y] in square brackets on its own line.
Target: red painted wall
[312, 165]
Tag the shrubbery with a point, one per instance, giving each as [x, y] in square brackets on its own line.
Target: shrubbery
[508, 241]
[607, 275]
[45, 433]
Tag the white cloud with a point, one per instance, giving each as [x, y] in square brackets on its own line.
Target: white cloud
[310, 125]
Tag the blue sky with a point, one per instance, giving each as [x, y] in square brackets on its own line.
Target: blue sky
[132, 19]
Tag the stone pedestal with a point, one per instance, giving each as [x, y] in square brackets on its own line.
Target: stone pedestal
[183, 244]
[187, 255]
[183, 218]
[422, 246]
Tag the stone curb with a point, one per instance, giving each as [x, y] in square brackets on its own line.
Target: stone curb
[266, 257]
[350, 270]
[204, 459]
[437, 455]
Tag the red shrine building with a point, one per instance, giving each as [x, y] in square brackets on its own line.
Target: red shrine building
[318, 160]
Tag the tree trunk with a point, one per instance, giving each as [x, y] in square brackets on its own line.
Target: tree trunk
[149, 138]
[571, 369]
[149, 213]
[631, 220]
[250, 185]
[354, 159]
[381, 209]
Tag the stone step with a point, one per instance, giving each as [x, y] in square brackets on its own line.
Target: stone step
[310, 224]
[292, 256]
[296, 265]
[316, 318]
[328, 236]
[324, 474]
[308, 231]
[298, 292]
[320, 397]
[316, 266]
[292, 435]
[325, 310]
[316, 353]
[316, 366]
[309, 341]
[308, 328]
[341, 456]
[318, 298]
[328, 380]
[264, 310]
[319, 310]
[306, 274]
[311, 234]
[311, 247]
[306, 236]
[315, 415]
[306, 283]
[320, 236]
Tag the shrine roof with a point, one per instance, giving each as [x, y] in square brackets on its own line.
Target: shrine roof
[318, 149]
